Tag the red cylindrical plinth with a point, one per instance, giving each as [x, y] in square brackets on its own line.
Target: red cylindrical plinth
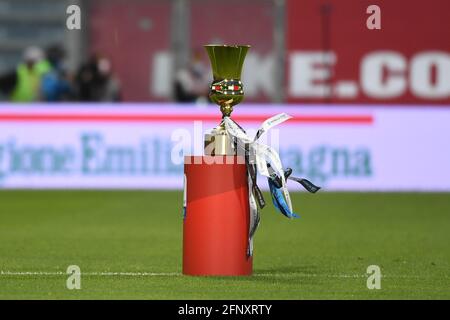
[215, 228]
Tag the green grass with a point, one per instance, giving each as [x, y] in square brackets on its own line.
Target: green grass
[323, 255]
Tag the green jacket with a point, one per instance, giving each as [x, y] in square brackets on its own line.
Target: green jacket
[28, 81]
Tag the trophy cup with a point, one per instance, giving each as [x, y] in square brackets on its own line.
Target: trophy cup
[216, 211]
[226, 91]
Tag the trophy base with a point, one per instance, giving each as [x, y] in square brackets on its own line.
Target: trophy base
[219, 143]
[217, 217]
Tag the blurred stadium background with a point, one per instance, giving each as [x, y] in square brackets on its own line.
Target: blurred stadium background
[96, 108]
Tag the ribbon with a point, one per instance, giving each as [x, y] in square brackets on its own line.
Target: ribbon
[275, 184]
[308, 185]
[265, 160]
[279, 202]
[260, 156]
[254, 218]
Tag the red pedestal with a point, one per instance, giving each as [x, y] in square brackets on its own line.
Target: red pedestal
[215, 228]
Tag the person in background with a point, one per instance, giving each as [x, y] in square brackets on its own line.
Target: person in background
[24, 84]
[55, 83]
[7, 84]
[192, 82]
[96, 82]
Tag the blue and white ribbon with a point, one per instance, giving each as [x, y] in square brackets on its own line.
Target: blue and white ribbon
[264, 157]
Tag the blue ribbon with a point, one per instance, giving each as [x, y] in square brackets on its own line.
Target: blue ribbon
[278, 200]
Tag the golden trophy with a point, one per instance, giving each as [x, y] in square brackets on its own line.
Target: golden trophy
[222, 200]
[217, 219]
[226, 91]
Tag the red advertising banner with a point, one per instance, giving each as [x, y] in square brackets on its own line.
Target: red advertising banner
[133, 35]
[137, 35]
[361, 51]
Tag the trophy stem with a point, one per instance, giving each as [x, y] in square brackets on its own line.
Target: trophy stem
[226, 108]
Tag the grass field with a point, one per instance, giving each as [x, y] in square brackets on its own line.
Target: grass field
[322, 255]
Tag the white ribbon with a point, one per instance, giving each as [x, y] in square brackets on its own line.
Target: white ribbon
[272, 122]
[264, 155]
[254, 216]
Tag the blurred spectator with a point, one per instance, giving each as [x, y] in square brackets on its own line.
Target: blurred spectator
[55, 83]
[23, 84]
[96, 82]
[192, 82]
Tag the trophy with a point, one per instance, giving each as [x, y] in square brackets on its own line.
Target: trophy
[226, 91]
[222, 199]
[216, 206]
